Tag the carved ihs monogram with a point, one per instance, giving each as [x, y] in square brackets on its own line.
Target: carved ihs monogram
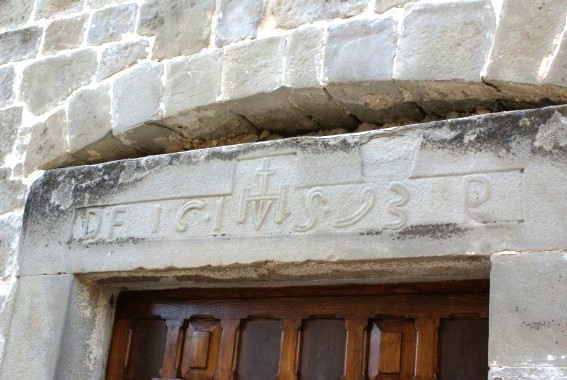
[260, 202]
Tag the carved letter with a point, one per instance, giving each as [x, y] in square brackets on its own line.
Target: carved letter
[311, 210]
[357, 216]
[114, 220]
[394, 207]
[218, 214]
[191, 205]
[97, 217]
[157, 218]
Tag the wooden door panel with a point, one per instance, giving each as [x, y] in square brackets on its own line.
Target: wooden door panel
[392, 349]
[323, 349]
[259, 351]
[201, 350]
[292, 334]
[147, 349]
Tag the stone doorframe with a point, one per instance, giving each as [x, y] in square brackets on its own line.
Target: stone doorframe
[462, 199]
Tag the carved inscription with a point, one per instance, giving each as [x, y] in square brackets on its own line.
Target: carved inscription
[264, 201]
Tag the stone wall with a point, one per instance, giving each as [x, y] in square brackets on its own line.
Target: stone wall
[89, 81]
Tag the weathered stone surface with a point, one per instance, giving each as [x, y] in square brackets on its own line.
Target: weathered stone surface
[119, 56]
[48, 144]
[7, 76]
[293, 13]
[557, 73]
[12, 191]
[519, 52]
[528, 312]
[304, 58]
[384, 5]
[136, 96]
[15, 13]
[192, 82]
[275, 112]
[20, 44]
[90, 126]
[254, 67]
[180, 27]
[89, 116]
[109, 24]
[10, 120]
[445, 40]
[10, 227]
[48, 327]
[209, 123]
[64, 34]
[71, 320]
[45, 83]
[49, 8]
[238, 20]
[361, 50]
[532, 373]
[467, 187]
[101, 3]
[318, 105]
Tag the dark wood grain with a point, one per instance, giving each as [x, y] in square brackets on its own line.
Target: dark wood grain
[323, 351]
[259, 350]
[463, 349]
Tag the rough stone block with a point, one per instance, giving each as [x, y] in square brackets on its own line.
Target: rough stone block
[7, 76]
[10, 120]
[10, 227]
[254, 67]
[445, 40]
[361, 50]
[318, 105]
[46, 83]
[20, 44]
[274, 111]
[385, 5]
[49, 8]
[293, 13]
[363, 81]
[136, 96]
[119, 56]
[208, 123]
[192, 82]
[528, 312]
[90, 126]
[64, 34]
[48, 144]
[180, 27]
[12, 191]
[109, 24]
[15, 13]
[304, 58]
[527, 34]
[238, 20]
[47, 313]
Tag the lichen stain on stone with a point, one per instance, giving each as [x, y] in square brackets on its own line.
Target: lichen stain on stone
[553, 133]
[62, 196]
[433, 231]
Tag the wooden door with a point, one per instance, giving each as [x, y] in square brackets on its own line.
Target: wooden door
[418, 331]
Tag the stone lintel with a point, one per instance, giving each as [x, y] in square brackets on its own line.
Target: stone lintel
[465, 187]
